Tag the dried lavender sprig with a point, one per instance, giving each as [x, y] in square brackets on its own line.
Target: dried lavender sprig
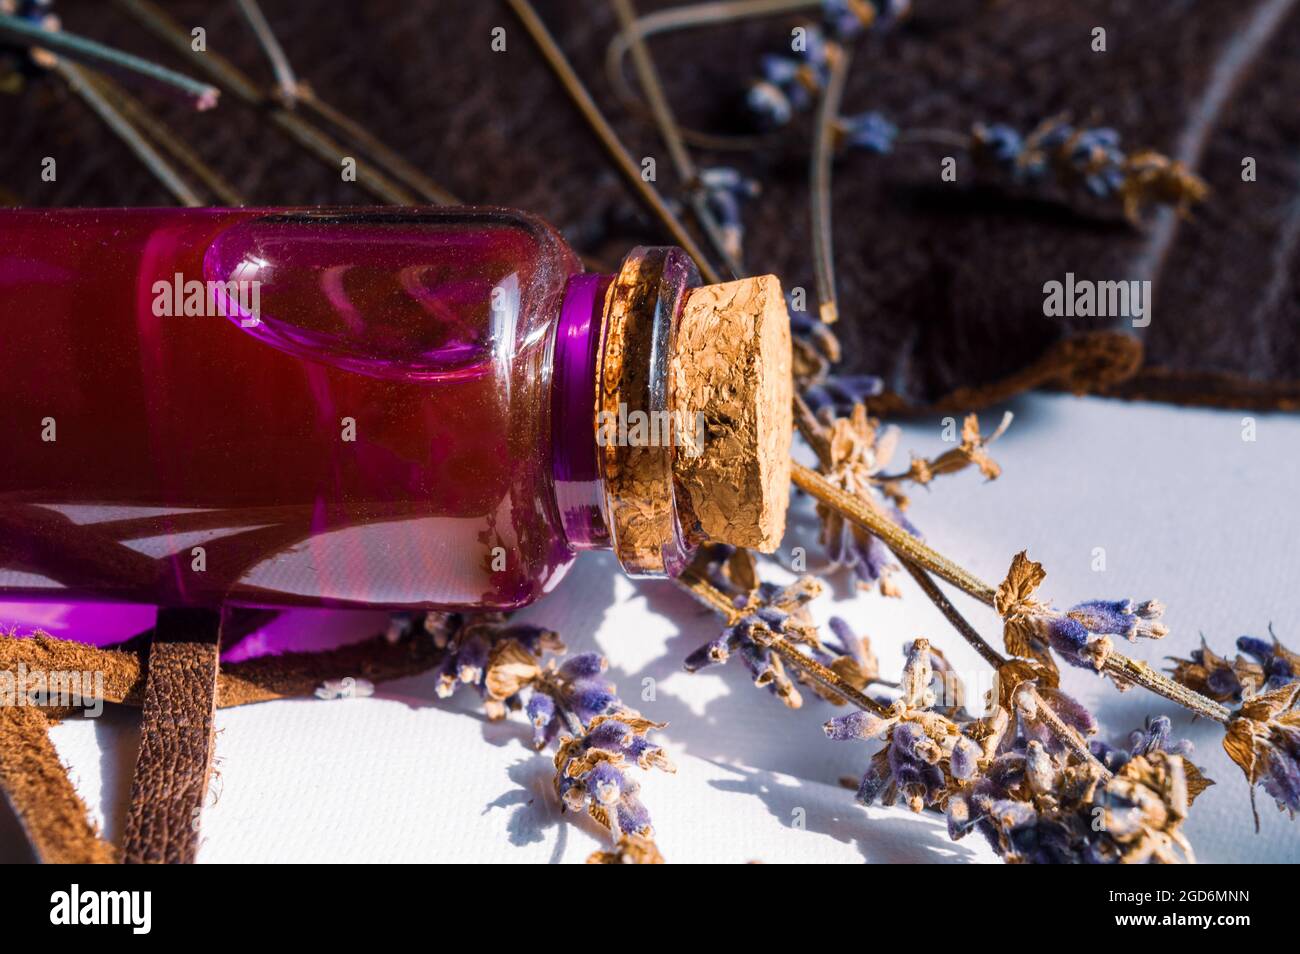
[609, 139]
[79, 81]
[694, 16]
[662, 112]
[708, 594]
[910, 548]
[838, 59]
[74, 47]
[815, 434]
[895, 537]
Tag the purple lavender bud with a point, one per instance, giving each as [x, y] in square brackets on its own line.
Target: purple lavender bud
[1068, 637]
[583, 666]
[768, 106]
[1282, 776]
[540, 709]
[589, 699]
[870, 132]
[546, 723]
[858, 725]
[1110, 617]
[874, 782]
[845, 635]
[1010, 814]
[612, 736]
[605, 783]
[471, 660]
[909, 741]
[1223, 682]
[1071, 711]
[710, 654]
[1109, 756]
[964, 763]
[633, 817]
[1155, 738]
[960, 816]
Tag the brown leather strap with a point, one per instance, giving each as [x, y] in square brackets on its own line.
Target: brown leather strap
[176, 739]
[37, 788]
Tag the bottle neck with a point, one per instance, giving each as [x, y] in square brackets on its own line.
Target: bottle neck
[576, 470]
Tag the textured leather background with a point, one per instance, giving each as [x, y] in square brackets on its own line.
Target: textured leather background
[941, 284]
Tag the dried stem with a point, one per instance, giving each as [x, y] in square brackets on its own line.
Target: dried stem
[1134, 671]
[79, 80]
[828, 112]
[78, 48]
[716, 600]
[695, 16]
[895, 537]
[911, 550]
[306, 134]
[1066, 734]
[613, 146]
[136, 113]
[668, 129]
[266, 39]
[951, 613]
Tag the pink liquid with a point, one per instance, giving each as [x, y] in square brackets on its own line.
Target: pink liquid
[431, 331]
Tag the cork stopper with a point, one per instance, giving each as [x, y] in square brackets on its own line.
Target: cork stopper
[731, 370]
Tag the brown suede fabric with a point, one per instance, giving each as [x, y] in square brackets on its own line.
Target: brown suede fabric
[940, 283]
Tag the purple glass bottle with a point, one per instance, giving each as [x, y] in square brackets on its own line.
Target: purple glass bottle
[274, 407]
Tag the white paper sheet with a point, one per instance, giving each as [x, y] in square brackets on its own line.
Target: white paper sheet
[1185, 510]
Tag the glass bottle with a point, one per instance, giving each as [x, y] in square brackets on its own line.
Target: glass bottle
[358, 407]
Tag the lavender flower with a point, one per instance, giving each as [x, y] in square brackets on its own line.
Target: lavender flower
[815, 346]
[1090, 158]
[724, 189]
[845, 19]
[923, 749]
[1154, 737]
[1279, 666]
[498, 661]
[771, 612]
[1081, 635]
[1270, 667]
[592, 777]
[871, 132]
[789, 84]
[839, 394]
[572, 690]
[1263, 738]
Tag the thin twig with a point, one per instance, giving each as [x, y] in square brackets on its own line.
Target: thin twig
[266, 39]
[1069, 736]
[1139, 673]
[695, 16]
[227, 75]
[909, 549]
[828, 112]
[895, 537]
[79, 81]
[74, 47]
[294, 92]
[158, 131]
[613, 146]
[668, 129]
[953, 615]
[716, 600]
[384, 155]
